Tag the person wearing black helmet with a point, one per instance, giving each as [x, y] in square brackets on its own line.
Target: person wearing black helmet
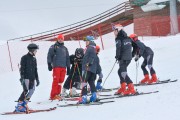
[73, 80]
[28, 73]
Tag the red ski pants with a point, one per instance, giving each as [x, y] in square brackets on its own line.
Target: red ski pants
[58, 78]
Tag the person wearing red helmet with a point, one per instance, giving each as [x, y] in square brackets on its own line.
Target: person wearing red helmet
[124, 57]
[58, 60]
[147, 53]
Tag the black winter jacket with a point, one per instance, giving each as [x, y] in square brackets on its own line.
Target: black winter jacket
[28, 69]
[74, 60]
[123, 46]
[142, 49]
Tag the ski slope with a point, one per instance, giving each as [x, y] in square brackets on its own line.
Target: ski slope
[160, 106]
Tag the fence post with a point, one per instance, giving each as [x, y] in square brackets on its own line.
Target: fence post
[100, 36]
[9, 56]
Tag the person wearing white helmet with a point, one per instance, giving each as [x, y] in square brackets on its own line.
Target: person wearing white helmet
[28, 73]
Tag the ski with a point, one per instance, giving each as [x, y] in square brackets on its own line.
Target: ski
[29, 112]
[77, 98]
[122, 96]
[88, 104]
[159, 82]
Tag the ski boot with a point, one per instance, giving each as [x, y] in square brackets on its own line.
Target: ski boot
[122, 89]
[93, 97]
[64, 93]
[74, 92]
[153, 79]
[21, 106]
[83, 100]
[56, 97]
[98, 86]
[130, 90]
[145, 80]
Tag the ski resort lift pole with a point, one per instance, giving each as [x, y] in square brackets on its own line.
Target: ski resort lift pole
[173, 17]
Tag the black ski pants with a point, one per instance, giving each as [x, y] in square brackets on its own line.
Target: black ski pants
[148, 61]
[88, 77]
[122, 72]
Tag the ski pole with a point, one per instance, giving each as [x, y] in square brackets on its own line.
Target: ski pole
[109, 73]
[137, 65]
[71, 79]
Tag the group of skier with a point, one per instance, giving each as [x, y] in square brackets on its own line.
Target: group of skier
[85, 66]
[124, 55]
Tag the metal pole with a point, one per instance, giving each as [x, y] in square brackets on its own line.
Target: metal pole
[9, 56]
[101, 36]
[173, 17]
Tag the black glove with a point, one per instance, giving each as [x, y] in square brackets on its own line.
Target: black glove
[22, 79]
[117, 58]
[68, 71]
[37, 82]
[49, 67]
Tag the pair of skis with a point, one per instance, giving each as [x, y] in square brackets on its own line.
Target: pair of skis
[29, 111]
[139, 84]
[100, 102]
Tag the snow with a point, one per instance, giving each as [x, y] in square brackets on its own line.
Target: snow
[160, 106]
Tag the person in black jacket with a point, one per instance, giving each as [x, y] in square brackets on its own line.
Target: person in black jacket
[123, 56]
[59, 62]
[146, 52]
[28, 73]
[74, 78]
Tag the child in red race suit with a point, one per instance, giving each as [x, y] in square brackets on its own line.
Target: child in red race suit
[58, 60]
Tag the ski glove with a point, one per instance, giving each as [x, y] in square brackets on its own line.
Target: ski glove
[37, 82]
[68, 71]
[117, 58]
[49, 67]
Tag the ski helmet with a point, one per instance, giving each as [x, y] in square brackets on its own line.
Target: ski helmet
[79, 53]
[134, 37]
[60, 36]
[118, 27]
[32, 47]
[90, 38]
[97, 49]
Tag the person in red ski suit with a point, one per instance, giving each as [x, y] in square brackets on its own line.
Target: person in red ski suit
[58, 60]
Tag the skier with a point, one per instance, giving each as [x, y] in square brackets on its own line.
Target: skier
[123, 56]
[28, 73]
[74, 77]
[89, 69]
[147, 54]
[58, 60]
[99, 71]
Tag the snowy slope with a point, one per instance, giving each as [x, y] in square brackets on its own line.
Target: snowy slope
[160, 106]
